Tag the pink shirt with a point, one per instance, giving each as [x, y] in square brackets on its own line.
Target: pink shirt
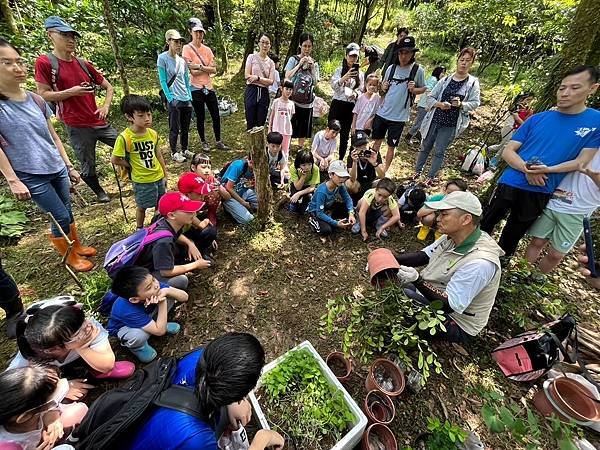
[365, 108]
[263, 68]
[282, 116]
[206, 58]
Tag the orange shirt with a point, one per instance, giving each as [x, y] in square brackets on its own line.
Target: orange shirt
[206, 59]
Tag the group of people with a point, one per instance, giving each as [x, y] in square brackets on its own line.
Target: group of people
[551, 184]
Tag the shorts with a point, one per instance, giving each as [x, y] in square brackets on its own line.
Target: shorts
[148, 194]
[393, 129]
[561, 229]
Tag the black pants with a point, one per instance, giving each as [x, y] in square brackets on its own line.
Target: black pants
[180, 116]
[337, 211]
[300, 206]
[523, 208]
[208, 97]
[203, 238]
[256, 104]
[9, 293]
[342, 111]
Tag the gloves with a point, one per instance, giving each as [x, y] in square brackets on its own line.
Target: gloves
[407, 274]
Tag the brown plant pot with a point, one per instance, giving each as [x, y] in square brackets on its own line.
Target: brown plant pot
[380, 260]
[543, 405]
[379, 408]
[391, 371]
[573, 399]
[384, 435]
[341, 359]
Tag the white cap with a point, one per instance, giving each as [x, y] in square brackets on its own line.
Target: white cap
[458, 199]
[339, 168]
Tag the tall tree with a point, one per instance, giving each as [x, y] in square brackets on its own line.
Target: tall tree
[8, 16]
[367, 8]
[264, 214]
[220, 38]
[386, 7]
[112, 34]
[577, 49]
[298, 28]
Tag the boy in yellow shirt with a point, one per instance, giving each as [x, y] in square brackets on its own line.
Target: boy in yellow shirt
[136, 149]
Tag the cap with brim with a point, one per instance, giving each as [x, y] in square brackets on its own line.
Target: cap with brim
[192, 182]
[339, 168]
[173, 35]
[353, 52]
[466, 201]
[359, 139]
[56, 23]
[195, 24]
[408, 44]
[176, 201]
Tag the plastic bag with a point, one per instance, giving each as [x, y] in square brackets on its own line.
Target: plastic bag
[474, 161]
[235, 440]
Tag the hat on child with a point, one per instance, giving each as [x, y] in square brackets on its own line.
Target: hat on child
[176, 201]
[466, 201]
[359, 138]
[339, 168]
[56, 23]
[192, 182]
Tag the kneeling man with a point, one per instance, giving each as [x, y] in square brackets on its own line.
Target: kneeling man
[462, 267]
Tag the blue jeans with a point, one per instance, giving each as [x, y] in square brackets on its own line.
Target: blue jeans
[51, 193]
[441, 137]
[421, 112]
[238, 211]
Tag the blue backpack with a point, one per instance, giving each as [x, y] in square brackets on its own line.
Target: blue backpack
[126, 252]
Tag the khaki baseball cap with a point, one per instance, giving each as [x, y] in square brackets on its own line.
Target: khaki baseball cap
[458, 199]
[173, 34]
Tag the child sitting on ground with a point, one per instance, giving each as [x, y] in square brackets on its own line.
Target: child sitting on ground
[280, 118]
[378, 208]
[60, 334]
[279, 172]
[130, 319]
[238, 180]
[32, 415]
[410, 200]
[170, 258]
[366, 106]
[364, 165]
[304, 177]
[325, 199]
[136, 149]
[427, 216]
[212, 191]
[324, 145]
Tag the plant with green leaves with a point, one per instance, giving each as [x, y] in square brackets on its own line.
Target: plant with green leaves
[443, 435]
[503, 416]
[301, 403]
[95, 285]
[12, 221]
[387, 321]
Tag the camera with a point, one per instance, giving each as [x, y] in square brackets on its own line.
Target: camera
[366, 153]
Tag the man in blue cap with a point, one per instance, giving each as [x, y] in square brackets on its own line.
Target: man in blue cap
[71, 83]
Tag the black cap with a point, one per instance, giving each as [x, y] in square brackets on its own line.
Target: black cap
[407, 43]
[359, 138]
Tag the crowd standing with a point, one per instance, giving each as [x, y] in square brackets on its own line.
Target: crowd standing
[551, 184]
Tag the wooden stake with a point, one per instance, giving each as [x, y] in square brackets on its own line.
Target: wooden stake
[264, 193]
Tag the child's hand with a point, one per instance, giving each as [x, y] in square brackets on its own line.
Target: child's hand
[83, 337]
[378, 234]
[344, 223]
[373, 158]
[204, 223]
[202, 264]
[365, 235]
[351, 219]
[294, 198]
[53, 430]
[78, 389]
[354, 155]
[193, 252]
[368, 124]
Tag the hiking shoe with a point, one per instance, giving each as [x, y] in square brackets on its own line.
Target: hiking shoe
[120, 371]
[221, 146]
[145, 353]
[384, 234]
[205, 147]
[172, 328]
[178, 157]
[423, 232]
[188, 154]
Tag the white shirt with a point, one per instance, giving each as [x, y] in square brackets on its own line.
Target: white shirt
[468, 281]
[323, 147]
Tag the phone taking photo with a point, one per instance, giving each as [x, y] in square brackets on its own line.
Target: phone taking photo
[589, 247]
[355, 66]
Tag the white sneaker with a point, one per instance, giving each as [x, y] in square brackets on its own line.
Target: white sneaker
[178, 157]
[188, 154]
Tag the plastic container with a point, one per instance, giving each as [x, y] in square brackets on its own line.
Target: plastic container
[573, 399]
[380, 260]
[392, 370]
[379, 408]
[385, 435]
[352, 438]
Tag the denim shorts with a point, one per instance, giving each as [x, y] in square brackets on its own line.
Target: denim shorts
[148, 194]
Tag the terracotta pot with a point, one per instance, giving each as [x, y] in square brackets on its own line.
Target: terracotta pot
[542, 404]
[340, 357]
[573, 399]
[384, 435]
[379, 260]
[391, 371]
[379, 408]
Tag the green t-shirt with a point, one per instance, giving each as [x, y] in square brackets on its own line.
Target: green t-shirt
[435, 197]
[315, 176]
[141, 150]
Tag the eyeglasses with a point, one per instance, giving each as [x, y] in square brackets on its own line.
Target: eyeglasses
[66, 34]
[21, 62]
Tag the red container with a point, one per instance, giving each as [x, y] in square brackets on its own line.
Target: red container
[341, 358]
[379, 408]
[574, 400]
[392, 371]
[379, 260]
[383, 434]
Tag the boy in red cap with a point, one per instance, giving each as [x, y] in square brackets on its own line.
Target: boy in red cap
[170, 258]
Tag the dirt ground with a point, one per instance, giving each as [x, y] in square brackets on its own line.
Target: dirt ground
[275, 284]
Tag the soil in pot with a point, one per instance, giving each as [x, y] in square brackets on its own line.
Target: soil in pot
[338, 364]
[378, 437]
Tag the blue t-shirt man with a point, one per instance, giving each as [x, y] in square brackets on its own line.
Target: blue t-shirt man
[395, 106]
[553, 137]
[170, 429]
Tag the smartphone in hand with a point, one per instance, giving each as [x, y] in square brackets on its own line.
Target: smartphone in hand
[355, 66]
[589, 247]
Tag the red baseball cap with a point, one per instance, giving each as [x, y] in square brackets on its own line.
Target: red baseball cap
[192, 182]
[176, 201]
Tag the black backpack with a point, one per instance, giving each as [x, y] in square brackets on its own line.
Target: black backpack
[304, 85]
[410, 98]
[116, 412]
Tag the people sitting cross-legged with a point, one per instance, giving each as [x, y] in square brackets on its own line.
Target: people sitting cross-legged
[462, 268]
[141, 310]
[378, 208]
[239, 183]
[304, 179]
[365, 166]
[221, 375]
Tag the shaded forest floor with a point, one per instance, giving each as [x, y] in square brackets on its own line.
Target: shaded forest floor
[275, 283]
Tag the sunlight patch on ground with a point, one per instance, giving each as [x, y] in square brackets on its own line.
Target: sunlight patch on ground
[269, 240]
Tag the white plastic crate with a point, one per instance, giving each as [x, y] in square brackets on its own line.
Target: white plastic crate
[351, 439]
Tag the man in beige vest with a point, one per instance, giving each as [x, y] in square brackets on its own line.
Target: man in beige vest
[462, 268]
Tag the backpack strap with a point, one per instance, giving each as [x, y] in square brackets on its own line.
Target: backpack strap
[85, 68]
[193, 47]
[182, 399]
[53, 70]
[39, 101]
[172, 79]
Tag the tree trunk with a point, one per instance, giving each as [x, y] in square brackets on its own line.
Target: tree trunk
[379, 29]
[264, 193]
[576, 49]
[220, 38]
[369, 6]
[248, 48]
[112, 34]
[298, 28]
[8, 16]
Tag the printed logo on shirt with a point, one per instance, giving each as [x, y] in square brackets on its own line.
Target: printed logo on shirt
[584, 131]
[563, 196]
[146, 152]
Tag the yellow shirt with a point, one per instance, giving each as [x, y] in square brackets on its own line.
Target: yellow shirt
[140, 150]
[369, 197]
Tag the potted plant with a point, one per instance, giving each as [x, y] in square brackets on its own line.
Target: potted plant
[299, 396]
[440, 436]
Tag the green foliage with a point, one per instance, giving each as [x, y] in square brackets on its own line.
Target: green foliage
[300, 401]
[525, 293]
[444, 436]
[521, 423]
[387, 321]
[95, 285]
[12, 221]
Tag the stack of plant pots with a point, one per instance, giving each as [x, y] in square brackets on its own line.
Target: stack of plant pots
[569, 400]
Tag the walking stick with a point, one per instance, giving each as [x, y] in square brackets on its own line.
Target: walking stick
[66, 255]
[120, 193]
